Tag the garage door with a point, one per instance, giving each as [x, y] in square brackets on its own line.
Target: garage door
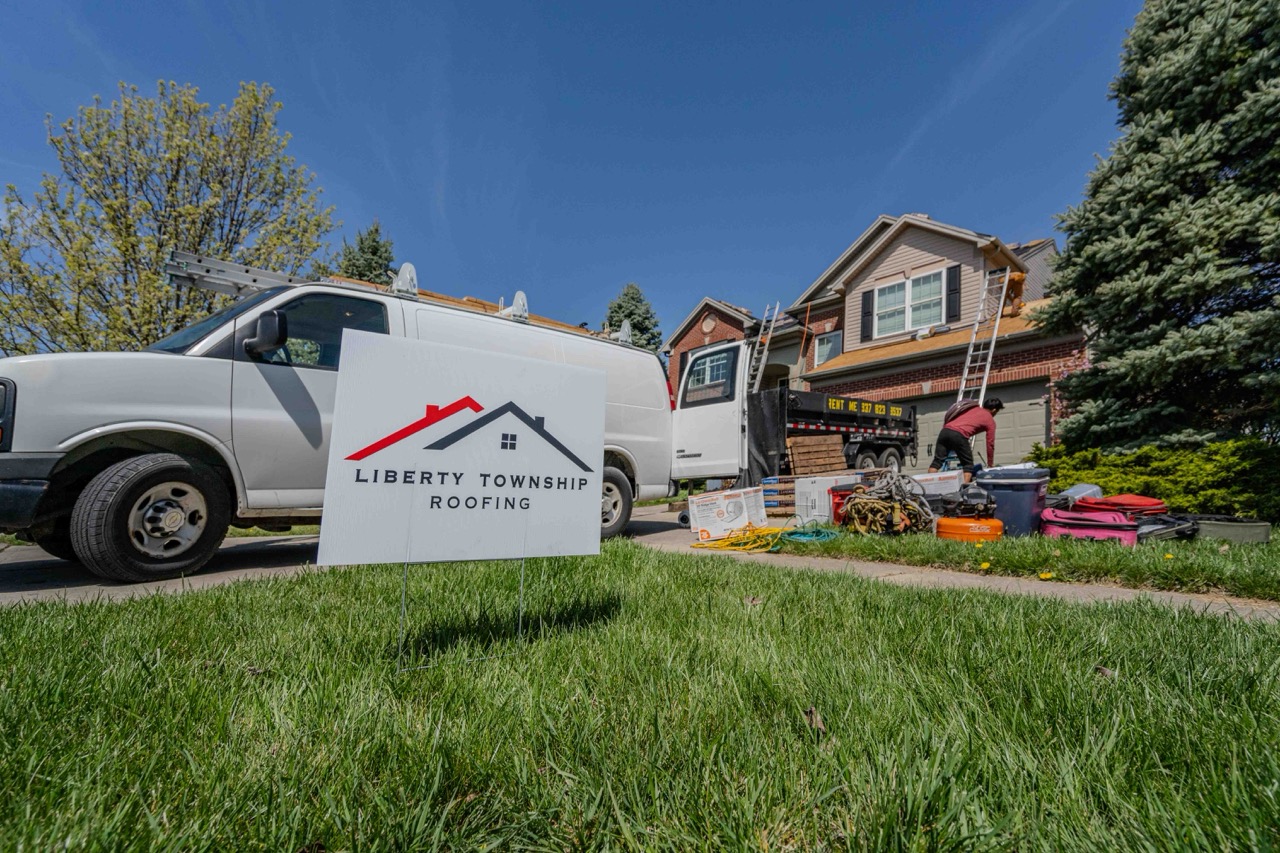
[1021, 423]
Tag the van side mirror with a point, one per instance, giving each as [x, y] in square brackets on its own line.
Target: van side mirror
[271, 333]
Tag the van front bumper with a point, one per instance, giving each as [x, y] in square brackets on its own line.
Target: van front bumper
[24, 479]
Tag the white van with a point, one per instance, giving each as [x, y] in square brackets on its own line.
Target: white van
[136, 463]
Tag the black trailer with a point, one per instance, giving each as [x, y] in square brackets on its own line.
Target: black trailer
[876, 434]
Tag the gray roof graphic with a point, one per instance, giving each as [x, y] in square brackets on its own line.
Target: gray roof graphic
[535, 424]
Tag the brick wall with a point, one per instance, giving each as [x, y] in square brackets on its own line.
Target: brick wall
[820, 322]
[1019, 366]
[727, 328]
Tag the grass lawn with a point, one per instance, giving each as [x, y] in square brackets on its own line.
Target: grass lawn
[1199, 566]
[650, 707]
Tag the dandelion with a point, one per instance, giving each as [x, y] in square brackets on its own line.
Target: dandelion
[1168, 556]
[985, 566]
[1044, 576]
[977, 544]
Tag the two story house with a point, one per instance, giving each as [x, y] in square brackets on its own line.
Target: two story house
[890, 319]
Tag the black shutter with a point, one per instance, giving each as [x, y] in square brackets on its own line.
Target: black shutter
[953, 294]
[868, 315]
[684, 361]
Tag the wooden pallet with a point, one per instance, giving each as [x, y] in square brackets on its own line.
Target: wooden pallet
[815, 454]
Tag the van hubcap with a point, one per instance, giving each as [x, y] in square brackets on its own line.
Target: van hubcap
[610, 504]
[167, 520]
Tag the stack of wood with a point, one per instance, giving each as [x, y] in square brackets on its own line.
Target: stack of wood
[811, 455]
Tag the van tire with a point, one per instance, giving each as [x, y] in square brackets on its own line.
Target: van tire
[615, 503]
[150, 517]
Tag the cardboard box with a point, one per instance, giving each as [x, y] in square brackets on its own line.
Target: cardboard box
[717, 514]
[941, 483]
[813, 496]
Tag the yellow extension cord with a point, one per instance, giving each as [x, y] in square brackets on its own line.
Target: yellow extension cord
[752, 540]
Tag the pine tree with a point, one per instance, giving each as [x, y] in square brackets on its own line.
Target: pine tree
[1172, 261]
[369, 258]
[632, 305]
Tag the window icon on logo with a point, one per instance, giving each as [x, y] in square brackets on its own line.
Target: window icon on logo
[508, 441]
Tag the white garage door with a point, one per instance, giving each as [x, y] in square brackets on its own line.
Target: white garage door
[1021, 423]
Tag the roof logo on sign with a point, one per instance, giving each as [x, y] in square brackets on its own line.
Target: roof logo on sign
[434, 415]
[538, 425]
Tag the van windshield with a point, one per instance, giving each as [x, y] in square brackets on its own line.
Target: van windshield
[184, 339]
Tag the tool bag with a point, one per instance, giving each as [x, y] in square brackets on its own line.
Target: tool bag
[1131, 505]
[969, 502]
[1230, 527]
[1155, 528]
[1059, 523]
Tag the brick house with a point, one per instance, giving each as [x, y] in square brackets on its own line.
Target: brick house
[890, 319]
[714, 321]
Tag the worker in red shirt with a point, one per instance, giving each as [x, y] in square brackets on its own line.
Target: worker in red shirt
[957, 432]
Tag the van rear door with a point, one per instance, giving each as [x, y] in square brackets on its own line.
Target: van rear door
[708, 429]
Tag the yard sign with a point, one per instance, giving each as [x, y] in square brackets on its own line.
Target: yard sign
[447, 453]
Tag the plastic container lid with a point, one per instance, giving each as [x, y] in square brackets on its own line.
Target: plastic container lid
[997, 475]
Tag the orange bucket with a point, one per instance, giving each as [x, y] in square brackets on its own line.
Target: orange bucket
[970, 529]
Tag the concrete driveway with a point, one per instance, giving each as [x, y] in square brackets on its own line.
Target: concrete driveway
[29, 574]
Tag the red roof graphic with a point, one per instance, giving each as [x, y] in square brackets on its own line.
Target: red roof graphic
[434, 415]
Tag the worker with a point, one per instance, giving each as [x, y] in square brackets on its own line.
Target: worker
[957, 432]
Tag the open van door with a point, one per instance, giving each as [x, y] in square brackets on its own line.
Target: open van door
[709, 427]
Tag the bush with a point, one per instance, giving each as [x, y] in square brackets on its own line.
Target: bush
[1237, 477]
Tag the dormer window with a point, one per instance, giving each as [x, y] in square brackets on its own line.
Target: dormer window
[907, 305]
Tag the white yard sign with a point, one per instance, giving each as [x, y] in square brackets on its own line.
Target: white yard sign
[445, 453]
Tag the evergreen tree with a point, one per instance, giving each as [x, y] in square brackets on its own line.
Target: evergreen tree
[631, 305]
[82, 261]
[1172, 261]
[369, 258]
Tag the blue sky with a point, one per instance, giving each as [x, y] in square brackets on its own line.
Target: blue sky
[723, 149]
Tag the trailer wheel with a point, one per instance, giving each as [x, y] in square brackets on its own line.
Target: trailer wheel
[615, 503]
[865, 460]
[891, 458]
[150, 517]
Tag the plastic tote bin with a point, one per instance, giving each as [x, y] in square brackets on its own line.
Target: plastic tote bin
[1019, 495]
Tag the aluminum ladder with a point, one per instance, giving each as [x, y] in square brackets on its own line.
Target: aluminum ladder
[755, 373]
[222, 276]
[982, 341]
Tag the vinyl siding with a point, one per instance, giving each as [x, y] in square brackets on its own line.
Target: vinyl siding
[913, 252]
[1038, 273]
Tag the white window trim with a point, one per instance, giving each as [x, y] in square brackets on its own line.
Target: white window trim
[875, 301]
[817, 342]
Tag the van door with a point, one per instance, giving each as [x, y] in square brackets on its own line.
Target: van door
[708, 427]
[282, 401]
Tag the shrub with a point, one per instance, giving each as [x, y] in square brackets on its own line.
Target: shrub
[1236, 477]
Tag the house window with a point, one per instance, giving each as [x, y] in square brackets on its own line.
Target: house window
[909, 305]
[827, 347]
[508, 441]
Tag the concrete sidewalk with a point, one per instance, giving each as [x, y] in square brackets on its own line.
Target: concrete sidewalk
[658, 529]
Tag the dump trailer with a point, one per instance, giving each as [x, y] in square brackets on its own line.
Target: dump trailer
[724, 428]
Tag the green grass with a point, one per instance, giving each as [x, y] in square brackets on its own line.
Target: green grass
[649, 707]
[1251, 570]
[299, 530]
[682, 495]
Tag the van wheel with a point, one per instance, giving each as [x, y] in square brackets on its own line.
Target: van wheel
[150, 517]
[56, 540]
[891, 459]
[615, 503]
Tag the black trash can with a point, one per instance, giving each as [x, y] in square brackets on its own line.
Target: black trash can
[1019, 495]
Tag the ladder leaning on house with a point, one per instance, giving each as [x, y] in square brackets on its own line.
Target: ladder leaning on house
[755, 373]
[982, 341]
